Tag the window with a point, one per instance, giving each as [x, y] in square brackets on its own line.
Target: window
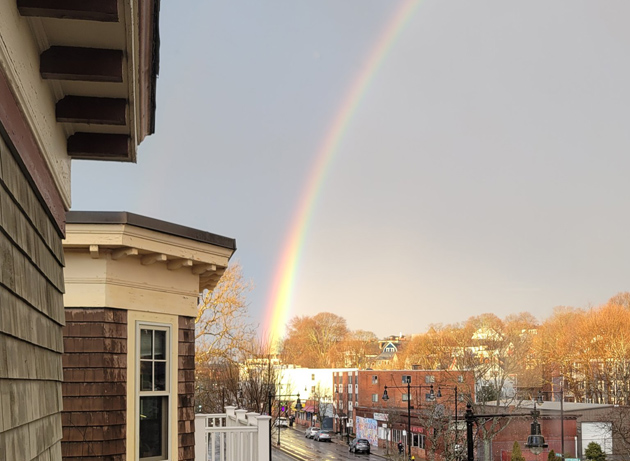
[405, 397]
[374, 397]
[313, 390]
[154, 390]
[429, 379]
[313, 377]
[418, 440]
[341, 404]
[460, 379]
[374, 379]
[406, 379]
[350, 379]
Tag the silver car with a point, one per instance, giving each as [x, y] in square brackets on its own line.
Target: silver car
[323, 436]
[310, 432]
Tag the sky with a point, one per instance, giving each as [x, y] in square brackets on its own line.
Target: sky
[483, 166]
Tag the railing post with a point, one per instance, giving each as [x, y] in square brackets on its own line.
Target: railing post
[240, 417]
[262, 450]
[201, 438]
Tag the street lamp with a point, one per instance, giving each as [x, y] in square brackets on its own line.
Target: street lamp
[540, 402]
[430, 396]
[298, 407]
[535, 441]
[439, 395]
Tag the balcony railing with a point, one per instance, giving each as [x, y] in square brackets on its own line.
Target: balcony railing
[233, 436]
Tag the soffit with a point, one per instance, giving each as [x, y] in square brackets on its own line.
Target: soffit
[99, 58]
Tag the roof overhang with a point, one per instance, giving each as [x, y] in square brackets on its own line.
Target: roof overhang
[112, 236]
[100, 60]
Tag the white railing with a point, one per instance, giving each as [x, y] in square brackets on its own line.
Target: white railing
[234, 436]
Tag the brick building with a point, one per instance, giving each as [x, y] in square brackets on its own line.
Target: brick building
[435, 398]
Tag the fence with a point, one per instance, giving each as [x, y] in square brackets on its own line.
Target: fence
[234, 436]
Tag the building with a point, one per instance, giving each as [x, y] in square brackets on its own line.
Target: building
[77, 80]
[435, 398]
[316, 390]
[132, 287]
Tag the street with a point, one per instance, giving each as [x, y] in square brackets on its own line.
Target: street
[292, 440]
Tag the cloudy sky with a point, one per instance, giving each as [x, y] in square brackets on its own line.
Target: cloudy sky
[484, 169]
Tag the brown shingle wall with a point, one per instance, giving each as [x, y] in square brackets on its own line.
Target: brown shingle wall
[31, 319]
[186, 389]
[94, 388]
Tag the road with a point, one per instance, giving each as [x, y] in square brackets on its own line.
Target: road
[293, 440]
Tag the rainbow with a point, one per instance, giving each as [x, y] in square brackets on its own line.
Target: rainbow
[279, 301]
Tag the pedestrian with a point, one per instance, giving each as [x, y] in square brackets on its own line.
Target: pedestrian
[400, 446]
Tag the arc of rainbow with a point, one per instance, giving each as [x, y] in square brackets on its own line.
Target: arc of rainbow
[278, 306]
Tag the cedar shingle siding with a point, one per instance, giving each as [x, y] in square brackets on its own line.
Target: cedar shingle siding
[186, 391]
[95, 384]
[31, 320]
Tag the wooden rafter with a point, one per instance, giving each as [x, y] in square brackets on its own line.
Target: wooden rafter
[101, 111]
[84, 64]
[89, 10]
[99, 146]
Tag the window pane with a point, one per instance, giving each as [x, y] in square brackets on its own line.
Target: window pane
[160, 345]
[146, 344]
[160, 376]
[153, 434]
[146, 375]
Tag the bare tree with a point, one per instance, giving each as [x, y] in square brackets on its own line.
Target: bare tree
[223, 327]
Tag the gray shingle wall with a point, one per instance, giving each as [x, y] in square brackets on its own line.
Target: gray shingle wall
[31, 320]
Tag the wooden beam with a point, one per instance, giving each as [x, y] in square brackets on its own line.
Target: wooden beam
[94, 251]
[124, 252]
[100, 111]
[99, 146]
[178, 264]
[153, 258]
[89, 10]
[84, 64]
[203, 268]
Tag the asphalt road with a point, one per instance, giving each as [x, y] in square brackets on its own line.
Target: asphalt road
[293, 441]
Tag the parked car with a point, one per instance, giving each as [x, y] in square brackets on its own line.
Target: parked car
[310, 432]
[282, 422]
[323, 436]
[360, 446]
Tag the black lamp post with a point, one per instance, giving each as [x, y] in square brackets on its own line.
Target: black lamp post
[535, 441]
[540, 402]
[298, 407]
[439, 395]
[431, 396]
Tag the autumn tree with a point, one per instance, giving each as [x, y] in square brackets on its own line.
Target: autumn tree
[223, 327]
[356, 349]
[312, 341]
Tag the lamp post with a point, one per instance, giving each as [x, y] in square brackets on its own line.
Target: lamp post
[535, 441]
[408, 387]
[439, 395]
[298, 407]
[540, 402]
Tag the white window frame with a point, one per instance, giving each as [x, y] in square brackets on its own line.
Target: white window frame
[167, 392]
